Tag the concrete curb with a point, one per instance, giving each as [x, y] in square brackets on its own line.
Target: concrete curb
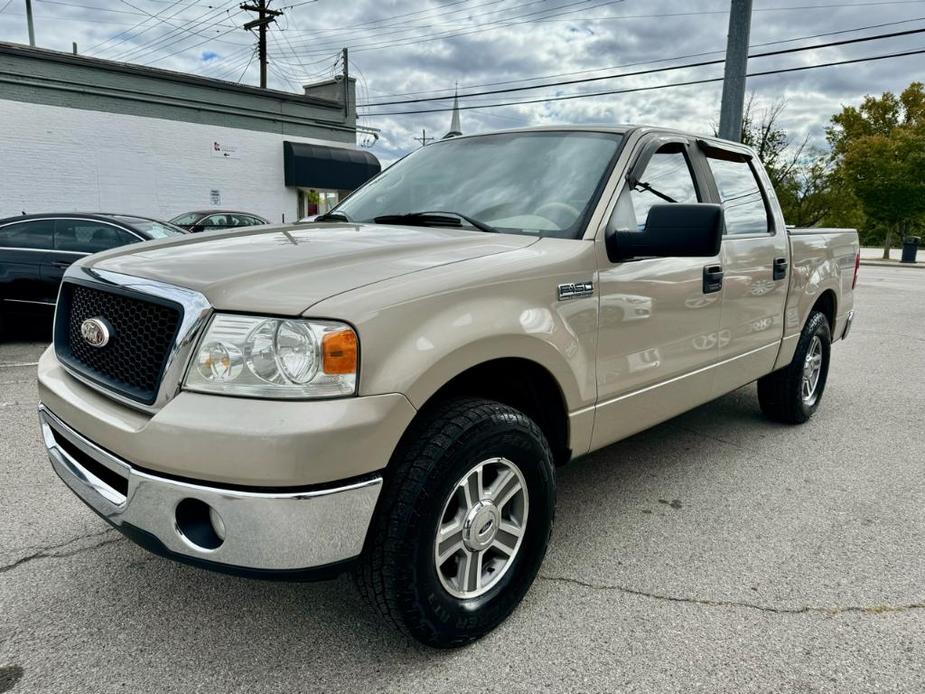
[892, 263]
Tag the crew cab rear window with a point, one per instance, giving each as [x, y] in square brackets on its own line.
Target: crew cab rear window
[30, 234]
[740, 193]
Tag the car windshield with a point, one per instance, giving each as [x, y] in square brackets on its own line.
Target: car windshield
[151, 228]
[541, 183]
[187, 219]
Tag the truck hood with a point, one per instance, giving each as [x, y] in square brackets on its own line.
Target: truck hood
[285, 270]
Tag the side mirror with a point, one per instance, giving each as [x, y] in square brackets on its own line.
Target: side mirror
[672, 231]
[195, 228]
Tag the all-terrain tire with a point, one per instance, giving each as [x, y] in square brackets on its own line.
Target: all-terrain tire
[781, 394]
[397, 572]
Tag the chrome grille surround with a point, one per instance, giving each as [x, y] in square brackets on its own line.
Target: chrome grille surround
[196, 310]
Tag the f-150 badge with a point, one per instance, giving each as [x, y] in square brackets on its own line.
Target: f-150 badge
[575, 290]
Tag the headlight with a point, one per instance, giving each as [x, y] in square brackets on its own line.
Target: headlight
[275, 358]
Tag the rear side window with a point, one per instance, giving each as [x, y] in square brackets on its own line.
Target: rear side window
[87, 236]
[740, 194]
[215, 220]
[37, 234]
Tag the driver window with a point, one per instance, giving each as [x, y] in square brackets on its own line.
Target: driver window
[667, 178]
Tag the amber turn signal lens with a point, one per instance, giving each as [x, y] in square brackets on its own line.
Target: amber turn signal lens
[339, 352]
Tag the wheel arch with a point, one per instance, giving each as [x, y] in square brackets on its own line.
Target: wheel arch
[827, 305]
[518, 382]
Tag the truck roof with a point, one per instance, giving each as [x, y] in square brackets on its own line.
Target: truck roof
[621, 129]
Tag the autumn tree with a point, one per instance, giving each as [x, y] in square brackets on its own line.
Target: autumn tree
[879, 150]
[800, 174]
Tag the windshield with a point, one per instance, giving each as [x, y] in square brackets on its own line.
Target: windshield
[187, 219]
[541, 183]
[151, 228]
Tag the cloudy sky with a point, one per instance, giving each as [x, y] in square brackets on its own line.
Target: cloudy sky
[403, 50]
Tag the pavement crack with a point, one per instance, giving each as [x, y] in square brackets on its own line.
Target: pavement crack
[809, 609]
[50, 551]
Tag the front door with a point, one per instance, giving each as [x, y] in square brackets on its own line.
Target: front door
[659, 329]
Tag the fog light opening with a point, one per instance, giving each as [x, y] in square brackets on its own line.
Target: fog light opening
[200, 524]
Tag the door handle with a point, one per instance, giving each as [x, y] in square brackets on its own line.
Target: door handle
[63, 264]
[780, 268]
[712, 279]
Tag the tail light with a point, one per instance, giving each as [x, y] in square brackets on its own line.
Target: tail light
[857, 266]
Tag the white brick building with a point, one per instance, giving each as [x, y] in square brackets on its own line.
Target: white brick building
[84, 134]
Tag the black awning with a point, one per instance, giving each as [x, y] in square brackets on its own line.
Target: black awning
[335, 168]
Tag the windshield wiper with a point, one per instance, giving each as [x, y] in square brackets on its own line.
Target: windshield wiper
[332, 216]
[436, 217]
[651, 189]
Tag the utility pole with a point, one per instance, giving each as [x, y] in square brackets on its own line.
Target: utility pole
[74, 47]
[346, 83]
[423, 139]
[30, 23]
[265, 16]
[730, 114]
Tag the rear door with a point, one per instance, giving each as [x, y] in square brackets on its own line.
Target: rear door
[755, 263]
[25, 247]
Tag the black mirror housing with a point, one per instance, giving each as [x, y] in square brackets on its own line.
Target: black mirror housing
[672, 231]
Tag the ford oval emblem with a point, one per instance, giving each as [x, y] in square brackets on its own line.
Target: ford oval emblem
[95, 332]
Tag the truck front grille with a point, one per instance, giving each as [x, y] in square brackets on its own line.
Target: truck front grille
[142, 330]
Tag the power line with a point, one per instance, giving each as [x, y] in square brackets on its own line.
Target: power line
[489, 26]
[127, 34]
[649, 71]
[404, 27]
[383, 95]
[503, 23]
[190, 47]
[630, 90]
[174, 35]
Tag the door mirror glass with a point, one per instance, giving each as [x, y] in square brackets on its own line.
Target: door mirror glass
[671, 230]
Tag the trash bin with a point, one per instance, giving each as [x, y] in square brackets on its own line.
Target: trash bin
[910, 248]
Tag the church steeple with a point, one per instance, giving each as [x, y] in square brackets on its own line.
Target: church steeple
[455, 128]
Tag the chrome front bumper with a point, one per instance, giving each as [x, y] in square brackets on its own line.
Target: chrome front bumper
[286, 532]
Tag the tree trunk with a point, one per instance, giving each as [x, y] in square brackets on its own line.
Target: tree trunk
[887, 240]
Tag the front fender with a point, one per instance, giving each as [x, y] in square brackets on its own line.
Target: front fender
[420, 359]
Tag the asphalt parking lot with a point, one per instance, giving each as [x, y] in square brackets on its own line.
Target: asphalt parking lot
[716, 552]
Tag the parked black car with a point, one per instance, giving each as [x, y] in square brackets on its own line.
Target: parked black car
[205, 220]
[36, 249]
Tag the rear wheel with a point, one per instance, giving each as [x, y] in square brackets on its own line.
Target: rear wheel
[792, 394]
[463, 523]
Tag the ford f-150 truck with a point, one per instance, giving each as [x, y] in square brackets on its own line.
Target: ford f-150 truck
[390, 388]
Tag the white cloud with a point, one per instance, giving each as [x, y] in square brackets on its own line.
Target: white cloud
[391, 53]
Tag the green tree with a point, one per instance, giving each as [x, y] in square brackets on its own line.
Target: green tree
[800, 175]
[879, 150]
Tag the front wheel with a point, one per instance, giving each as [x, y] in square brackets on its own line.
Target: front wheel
[463, 523]
[791, 395]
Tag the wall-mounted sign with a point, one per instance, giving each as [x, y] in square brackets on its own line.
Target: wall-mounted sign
[215, 196]
[223, 150]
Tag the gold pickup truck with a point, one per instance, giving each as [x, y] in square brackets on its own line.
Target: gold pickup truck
[390, 388]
